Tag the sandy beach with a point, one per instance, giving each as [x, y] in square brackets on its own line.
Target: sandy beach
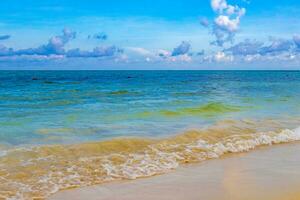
[264, 174]
[150, 100]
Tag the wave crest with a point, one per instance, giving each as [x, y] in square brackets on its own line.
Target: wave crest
[41, 171]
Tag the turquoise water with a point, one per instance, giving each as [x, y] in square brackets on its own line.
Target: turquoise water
[67, 129]
[54, 107]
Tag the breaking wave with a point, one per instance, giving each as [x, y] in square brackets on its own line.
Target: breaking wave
[41, 171]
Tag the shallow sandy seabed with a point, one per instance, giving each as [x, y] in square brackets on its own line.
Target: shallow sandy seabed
[264, 174]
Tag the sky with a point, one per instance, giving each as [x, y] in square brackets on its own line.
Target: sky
[150, 34]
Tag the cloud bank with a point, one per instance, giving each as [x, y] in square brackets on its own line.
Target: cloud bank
[56, 47]
[4, 37]
[274, 47]
[223, 26]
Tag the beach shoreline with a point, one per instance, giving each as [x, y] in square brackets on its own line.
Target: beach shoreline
[265, 173]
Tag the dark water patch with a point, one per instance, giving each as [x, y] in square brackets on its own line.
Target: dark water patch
[119, 92]
[123, 92]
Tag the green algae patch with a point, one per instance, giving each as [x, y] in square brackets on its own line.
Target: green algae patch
[207, 110]
[170, 113]
[212, 109]
[123, 92]
[119, 92]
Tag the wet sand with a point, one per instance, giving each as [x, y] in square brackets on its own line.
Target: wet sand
[264, 174]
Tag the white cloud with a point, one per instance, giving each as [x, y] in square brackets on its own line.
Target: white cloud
[222, 57]
[245, 48]
[251, 58]
[163, 53]
[227, 21]
[219, 5]
[277, 46]
[182, 49]
[296, 40]
[122, 58]
[178, 54]
[140, 51]
[180, 58]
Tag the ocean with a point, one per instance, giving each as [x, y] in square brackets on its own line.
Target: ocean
[66, 129]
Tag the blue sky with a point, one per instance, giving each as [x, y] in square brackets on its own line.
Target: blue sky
[149, 34]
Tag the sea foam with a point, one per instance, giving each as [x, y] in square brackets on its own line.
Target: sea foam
[40, 171]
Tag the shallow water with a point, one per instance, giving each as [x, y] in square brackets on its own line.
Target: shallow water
[50, 107]
[62, 129]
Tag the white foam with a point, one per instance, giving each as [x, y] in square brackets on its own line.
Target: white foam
[155, 160]
[297, 132]
[235, 145]
[3, 153]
